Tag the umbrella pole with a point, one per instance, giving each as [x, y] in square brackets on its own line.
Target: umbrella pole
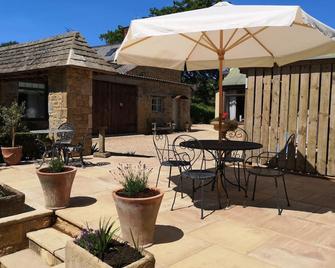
[220, 96]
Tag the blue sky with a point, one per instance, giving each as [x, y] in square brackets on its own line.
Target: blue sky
[27, 20]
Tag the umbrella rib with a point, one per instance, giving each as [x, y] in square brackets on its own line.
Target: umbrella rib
[230, 38]
[244, 38]
[210, 41]
[135, 43]
[259, 42]
[189, 55]
[195, 41]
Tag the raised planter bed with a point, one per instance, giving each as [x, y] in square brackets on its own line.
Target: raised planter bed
[11, 201]
[78, 257]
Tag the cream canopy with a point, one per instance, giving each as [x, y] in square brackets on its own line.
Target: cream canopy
[226, 35]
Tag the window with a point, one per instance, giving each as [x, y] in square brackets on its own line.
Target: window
[34, 96]
[157, 104]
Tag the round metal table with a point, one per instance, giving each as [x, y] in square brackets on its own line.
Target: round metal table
[220, 149]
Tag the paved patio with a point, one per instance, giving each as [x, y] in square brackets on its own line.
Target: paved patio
[247, 234]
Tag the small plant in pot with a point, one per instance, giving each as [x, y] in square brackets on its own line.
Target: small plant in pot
[102, 248]
[137, 204]
[56, 181]
[11, 117]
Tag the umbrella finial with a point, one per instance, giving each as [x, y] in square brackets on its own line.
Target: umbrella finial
[223, 4]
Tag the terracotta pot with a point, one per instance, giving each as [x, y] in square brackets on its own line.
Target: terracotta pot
[56, 187]
[138, 215]
[12, 155]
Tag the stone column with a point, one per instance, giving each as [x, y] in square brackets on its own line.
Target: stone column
[70, 100]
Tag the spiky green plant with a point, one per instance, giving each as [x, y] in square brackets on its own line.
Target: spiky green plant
[56, 165]
[98, 242]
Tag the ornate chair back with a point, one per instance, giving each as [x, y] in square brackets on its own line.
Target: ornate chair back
[162, 147]
[193, 156]
[65, 137]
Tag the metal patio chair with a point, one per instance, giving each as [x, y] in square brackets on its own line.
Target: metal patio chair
[272, 165]
[237, 158]
[45, 150]
[165, 154]
[195, 170]
[65, 137]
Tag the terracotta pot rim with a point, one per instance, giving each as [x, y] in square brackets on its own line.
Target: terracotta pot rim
[10, 147]
[41, 171]
[134, 199]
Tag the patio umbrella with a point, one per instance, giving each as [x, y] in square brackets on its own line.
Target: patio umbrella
[226, 35]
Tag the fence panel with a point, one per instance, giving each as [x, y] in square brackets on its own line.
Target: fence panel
[299, 99]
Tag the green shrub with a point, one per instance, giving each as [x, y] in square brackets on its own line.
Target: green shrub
[11, 117]
[133, 179]
[56, 165]
[201, 113]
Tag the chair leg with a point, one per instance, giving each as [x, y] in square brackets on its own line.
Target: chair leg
[170, 176]
[181, 187]
[238, 176]
[193, 190]
[277, 196]
[218, 192]
[202, 199]
[255, 183]
[288, 201]
[159, 172]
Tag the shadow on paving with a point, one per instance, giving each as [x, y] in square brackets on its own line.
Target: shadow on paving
[307, 194]
[130, 154]
[82, 201]
[166, 234]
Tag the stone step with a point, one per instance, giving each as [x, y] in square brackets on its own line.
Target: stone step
[24, 258]
[49, 243]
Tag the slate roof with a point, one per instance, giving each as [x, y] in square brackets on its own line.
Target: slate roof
[69, 49]
[234, 78]
[108, 53]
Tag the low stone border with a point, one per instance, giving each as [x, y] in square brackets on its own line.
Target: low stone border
[13, 229]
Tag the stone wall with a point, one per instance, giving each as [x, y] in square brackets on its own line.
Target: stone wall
[70, 100]
[13, 229]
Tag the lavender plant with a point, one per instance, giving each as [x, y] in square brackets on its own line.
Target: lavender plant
[133, 179]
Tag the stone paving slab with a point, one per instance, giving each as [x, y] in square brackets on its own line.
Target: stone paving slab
[247, 234]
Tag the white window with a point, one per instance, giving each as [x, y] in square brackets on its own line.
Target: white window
[157, 104]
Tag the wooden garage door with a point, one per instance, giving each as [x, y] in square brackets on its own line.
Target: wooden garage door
[115, 107]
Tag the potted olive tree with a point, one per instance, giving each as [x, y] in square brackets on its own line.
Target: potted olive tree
[102, 248]
[56, 181]
[11, 119]
[137, 204]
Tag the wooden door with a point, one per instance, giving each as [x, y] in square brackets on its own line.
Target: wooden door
[114, 107]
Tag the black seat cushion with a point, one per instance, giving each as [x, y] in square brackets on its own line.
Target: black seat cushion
[175, 163]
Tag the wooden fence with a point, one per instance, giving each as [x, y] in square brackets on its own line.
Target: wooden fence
[299, 99]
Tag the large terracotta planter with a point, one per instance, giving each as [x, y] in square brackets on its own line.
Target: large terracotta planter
[56, 187]
[12, 155]
[78, 257]
[12, 203]
[138, 216]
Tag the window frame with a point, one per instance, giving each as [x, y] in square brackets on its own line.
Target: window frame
[45, 101]
[159, 107]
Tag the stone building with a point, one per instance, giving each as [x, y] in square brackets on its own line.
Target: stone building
[161, 97]
[62, 79]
